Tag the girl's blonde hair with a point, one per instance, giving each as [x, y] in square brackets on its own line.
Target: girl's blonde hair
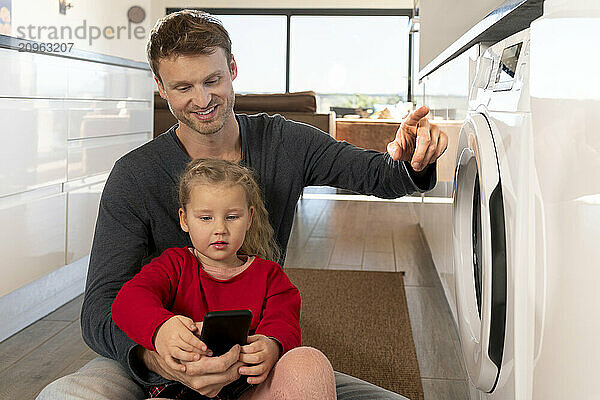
[259, 239]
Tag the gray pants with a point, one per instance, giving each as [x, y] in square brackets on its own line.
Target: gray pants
[105, 379]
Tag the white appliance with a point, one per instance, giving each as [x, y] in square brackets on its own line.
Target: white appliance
[490, 202]
[526, 212]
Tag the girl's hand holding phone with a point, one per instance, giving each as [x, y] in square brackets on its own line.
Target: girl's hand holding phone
[175, 340]
[260, 354]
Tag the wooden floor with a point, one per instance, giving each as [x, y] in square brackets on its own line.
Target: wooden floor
[329, 234]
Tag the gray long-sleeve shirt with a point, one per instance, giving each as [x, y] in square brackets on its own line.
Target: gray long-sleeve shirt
[138, 215]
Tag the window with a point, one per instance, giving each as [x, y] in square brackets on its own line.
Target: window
[259, 47]
[349, 57]
[349, 54]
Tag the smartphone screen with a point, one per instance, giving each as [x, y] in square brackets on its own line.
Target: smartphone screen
[221, 330]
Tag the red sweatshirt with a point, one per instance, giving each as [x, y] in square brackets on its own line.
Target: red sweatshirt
[175, 284]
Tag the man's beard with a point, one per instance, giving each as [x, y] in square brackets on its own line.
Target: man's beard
[224, 111]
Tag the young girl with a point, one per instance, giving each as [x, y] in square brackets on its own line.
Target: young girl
[226, 269]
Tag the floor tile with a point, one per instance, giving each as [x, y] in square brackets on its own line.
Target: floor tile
[433, 342]
[69, 312]
[397, 213]
[378, 261]
[26, 378]
[413, 258]
[27, 340]
[332, 210]
[345, 267]
[317, 253]
[379, 268]
[327, 228]
[309, 210]
[299, 234]
[348, 250]
[356, 219]
[379, 243]
[293, 257]
[443, 389]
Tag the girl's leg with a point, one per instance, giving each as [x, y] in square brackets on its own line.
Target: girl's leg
[301, 373]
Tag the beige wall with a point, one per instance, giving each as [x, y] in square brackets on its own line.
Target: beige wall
[113, 14]
[159, 6]
[443, 22]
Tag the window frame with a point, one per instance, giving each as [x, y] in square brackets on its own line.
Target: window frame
[292, 12]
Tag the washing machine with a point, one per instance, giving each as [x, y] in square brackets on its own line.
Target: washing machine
[490, 203]
[526, 212]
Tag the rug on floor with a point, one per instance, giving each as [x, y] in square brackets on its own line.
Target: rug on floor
[360, 321]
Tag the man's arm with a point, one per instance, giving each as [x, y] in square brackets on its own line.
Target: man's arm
[408, 166]
[120, 244]
[326, 161]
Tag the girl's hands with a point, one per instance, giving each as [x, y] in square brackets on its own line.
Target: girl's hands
[260, 355]
[175, 341]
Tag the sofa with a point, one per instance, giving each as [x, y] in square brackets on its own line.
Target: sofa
[298, 106]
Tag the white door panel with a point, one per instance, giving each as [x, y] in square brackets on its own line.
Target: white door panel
[33, 153]
[32, 75]
[32, 242]
[97, 155]
[101, 81]
[81, 219]
[106, 118]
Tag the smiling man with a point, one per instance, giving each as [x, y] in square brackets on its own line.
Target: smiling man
[190, 55]
[212, 108]
[200, 94]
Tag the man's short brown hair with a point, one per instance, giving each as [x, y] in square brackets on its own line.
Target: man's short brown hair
[186, 32]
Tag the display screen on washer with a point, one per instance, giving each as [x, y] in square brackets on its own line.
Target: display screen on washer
[508, 64]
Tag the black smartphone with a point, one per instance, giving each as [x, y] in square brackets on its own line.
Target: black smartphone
[221, 330]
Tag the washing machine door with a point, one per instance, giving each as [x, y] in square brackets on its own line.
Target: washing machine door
[479, 253]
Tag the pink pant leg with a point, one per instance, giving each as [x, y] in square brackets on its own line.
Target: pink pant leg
[302, 373]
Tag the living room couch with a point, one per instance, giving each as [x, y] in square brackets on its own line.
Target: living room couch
[298, 106]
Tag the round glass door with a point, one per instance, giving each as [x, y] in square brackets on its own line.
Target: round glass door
[478, 239]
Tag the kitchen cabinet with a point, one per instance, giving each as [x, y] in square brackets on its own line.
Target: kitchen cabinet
[66, 119]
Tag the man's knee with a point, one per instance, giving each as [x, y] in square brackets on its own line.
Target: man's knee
[68, 387]
[101, 378]
[56, 390]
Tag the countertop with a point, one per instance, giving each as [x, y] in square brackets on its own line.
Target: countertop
[9, 42]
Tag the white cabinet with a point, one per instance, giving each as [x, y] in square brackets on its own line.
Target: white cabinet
[83, 199]
[33, 153]
[436, 222]
[95, 118]
[32, 75]
[65, 122]
[101, 81]
[92, 156]
[33, 235]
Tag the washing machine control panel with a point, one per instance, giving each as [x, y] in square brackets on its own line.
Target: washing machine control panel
[507, 67]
